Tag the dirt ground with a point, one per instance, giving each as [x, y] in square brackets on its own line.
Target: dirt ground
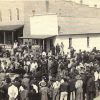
[98, 98]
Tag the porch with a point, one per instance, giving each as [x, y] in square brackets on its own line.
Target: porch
[8, 34]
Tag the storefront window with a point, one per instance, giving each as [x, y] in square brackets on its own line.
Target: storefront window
[1, 37]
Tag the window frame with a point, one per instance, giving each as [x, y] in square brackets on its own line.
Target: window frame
[10, 14]
[17, 12]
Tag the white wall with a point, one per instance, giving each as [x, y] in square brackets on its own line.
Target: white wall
[79, 42]
[95, 42]
[4, 9]
[44, 25]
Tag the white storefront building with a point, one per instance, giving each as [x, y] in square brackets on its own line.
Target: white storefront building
[80, 33]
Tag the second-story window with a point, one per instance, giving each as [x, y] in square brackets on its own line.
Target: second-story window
[17, 11]
[0, 16]
[10, 14]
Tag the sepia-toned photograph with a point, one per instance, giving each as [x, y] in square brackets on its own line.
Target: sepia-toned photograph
[49, 50]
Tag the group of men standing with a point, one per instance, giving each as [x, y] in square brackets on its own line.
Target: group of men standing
[49, 76]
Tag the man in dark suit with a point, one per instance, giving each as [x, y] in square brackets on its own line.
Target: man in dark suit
[91, 88]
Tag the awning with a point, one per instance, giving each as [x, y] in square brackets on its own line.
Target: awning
[10, 27]
[37, 37]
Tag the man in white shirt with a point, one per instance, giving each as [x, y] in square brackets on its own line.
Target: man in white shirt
[35, 87]
[96, 76]
[43, 54]
[33, 66]
[15, 44]
[13, 92]
[56, 86]
[79, 89]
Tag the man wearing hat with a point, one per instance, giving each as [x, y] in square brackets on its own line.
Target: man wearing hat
[50, 64]
[44, 91]
[78, 86]
[91, 90]
[44, 66]
[25, 81]
[33, 93]
[71, 83]
[42, 81]
[33, 66]
[4, 84]
[64, 89]
[56, 86]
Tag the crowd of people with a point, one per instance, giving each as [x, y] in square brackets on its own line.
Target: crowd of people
[52, 75]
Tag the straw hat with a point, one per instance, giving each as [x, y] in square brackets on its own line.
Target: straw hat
[35, 59]
[26, 75]
[56, 57]
[43, 84]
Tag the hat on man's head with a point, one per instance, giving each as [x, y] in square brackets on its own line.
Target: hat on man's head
[26, 75]
[44, 77]
[60, 57]
[56, 57]
[53, 79]
[43, 84]
[34, 59]
[66, 78]
[78, 77]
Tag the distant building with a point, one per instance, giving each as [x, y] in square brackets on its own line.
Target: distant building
[78, 24]
[11, 21]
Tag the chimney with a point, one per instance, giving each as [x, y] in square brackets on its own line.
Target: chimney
[33, 12]
[81, 2]
[47, 5]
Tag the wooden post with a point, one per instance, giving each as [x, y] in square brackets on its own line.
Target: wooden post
[43, 44]
[12, 37]
[4, 37]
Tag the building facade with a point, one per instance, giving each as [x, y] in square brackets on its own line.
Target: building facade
[78, 25]
[11, 21]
